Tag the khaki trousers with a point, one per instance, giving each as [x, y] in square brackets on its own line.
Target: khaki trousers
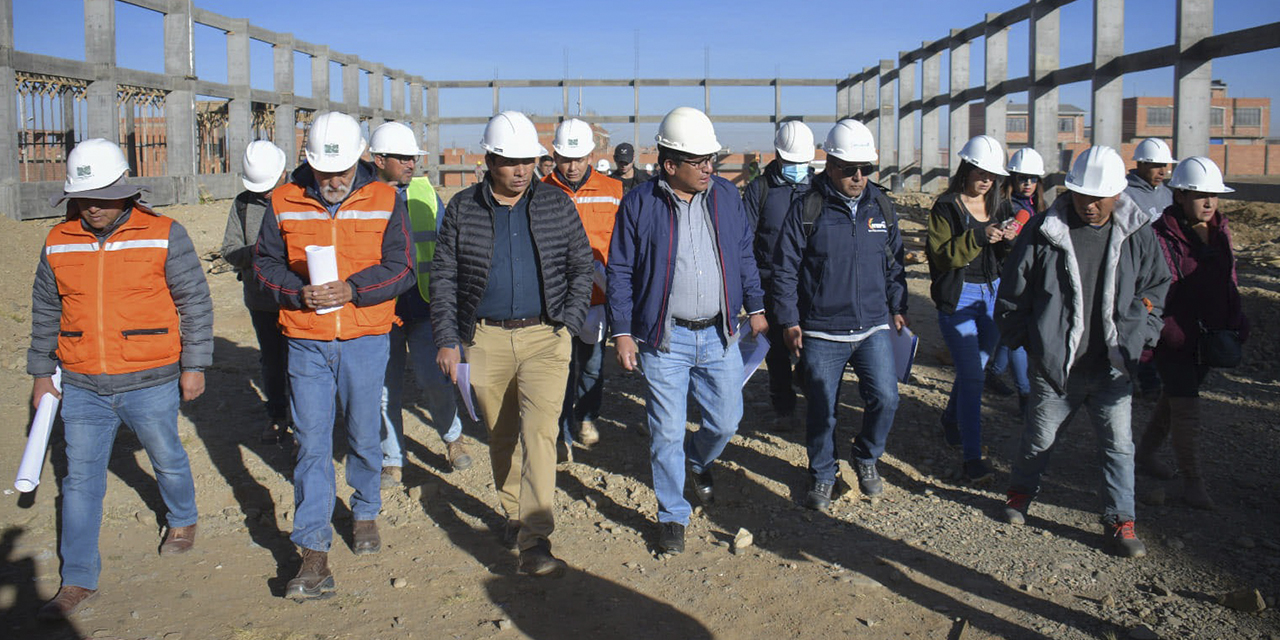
[519, 378]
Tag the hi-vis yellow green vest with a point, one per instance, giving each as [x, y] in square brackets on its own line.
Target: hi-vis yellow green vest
[422, 202]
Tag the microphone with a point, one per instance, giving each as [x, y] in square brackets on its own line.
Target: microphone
[1018, 220]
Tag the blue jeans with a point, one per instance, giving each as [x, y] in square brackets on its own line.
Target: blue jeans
[823, 362]
[696, 360]
[1107, 398]
[971, 335]
[90, 422]
[584, 392]
[354, 371]
[439, 395]
[1005, 358]
[273, 356]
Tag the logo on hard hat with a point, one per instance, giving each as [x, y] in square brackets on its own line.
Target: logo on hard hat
[331, 149]
[573, 142]
[84, 171]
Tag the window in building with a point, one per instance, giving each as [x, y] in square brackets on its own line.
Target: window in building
[1216, 115]
[1067, 125]
[1248, 117]
[1015, 125]
[1160, 116]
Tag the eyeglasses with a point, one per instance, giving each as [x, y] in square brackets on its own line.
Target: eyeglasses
[700, 163]
[851, 170]
[399, 158]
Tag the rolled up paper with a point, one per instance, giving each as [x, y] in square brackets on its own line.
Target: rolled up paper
[322, 268]
[38, 442]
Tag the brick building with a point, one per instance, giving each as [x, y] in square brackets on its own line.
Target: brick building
[1071, 127]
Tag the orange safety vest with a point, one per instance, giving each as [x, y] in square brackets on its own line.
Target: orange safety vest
[355, 232]
[597, 202]
[117, 313]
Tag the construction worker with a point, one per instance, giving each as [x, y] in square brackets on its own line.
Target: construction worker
[839, 287]
[626, 172]
[1146, 181]
[767, 199]
[264, 170]
[680, 273]
[395, 153]
[120, 303]
[596, 196]
[1083, 291]
[546, 165]
[510, 283]
[337, 330]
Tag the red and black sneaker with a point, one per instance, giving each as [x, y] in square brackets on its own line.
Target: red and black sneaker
[1015, 507]
[1123, 541]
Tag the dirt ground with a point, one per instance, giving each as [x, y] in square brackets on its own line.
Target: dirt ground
[928, 560]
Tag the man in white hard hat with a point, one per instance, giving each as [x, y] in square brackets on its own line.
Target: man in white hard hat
[395, 152]
[767, 199]
[1146, 181]
[264, 170]
[120, 303]
[337, 330]
[681, 272]
[624, 156]
[510, 284]
[596, 196]
[839, 289]
[1083, 290]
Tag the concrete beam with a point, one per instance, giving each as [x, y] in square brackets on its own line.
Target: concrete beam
[1042, 120]
[995, 72]
[907, 167]
[1108, 83]
[100, 51]
[1192, 74]
[959, 108]
[240, 109]
[180, 103]
[888, 147]
[932, 173]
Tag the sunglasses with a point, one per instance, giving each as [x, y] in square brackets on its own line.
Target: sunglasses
[1031, 179]
[852, 169]
[399, 158]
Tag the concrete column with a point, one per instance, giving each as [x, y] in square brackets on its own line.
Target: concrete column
[433, 131]
[996, 71]
[1042, 99]
[286, 123]
[932, 173]
[100, 51]
[240, 110]
[843, 98]
[320, 79]
[870, 99]
[907, 167]
[777, 104]
[888, 148]
[564, 97]
[706, 97]
[1108, 90]
[1191, 97]
[9, 173]
[959, 110]
[496, 108]
[397, 98]
[351, 88]
[377, 97]
[180, 104]
[415, 114]
[855, 96]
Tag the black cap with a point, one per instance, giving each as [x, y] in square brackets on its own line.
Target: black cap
[624, 153]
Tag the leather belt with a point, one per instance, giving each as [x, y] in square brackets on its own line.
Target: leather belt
[695, 325]
[514, 323]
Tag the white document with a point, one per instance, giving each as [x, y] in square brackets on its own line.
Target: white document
[322, 268]
[464, 387]
[904, 351]
[37, 443]
[753, 350]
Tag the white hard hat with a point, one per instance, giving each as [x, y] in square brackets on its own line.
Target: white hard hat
[648, 167]
[1198, 173]
[851, 141]
[334, 143]
[984, 152]
[574, 139]
[794, 142]
[602, 166]
[1026, 161]
[93, 164]
[394, 138]
[688, 130]
[1153, 150]
[1098, 172]
[511, 134]
[263, 164]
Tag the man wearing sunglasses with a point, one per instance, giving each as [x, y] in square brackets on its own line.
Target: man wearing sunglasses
[839, 287]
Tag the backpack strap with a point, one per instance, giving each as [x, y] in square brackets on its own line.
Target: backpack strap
[811, 209]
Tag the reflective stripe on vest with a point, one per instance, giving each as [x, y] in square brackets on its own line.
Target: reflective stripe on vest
[422, 202]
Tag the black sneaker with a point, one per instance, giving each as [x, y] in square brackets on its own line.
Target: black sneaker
[1123, 541]
[510, 534]
[671, 537]
[868, 478]
[1015, 507]
[996, 384]
[704, 487]
[951, 432]
[977, 471]
[819, 496]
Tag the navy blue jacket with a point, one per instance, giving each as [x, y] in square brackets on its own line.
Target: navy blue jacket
[847, 275]
[642, 259]
[767, 199]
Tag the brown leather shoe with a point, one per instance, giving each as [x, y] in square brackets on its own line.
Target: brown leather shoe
[178, 540]
[459, 457]
[314, 578]
[537, 561]
[365, 538]
[64, 604]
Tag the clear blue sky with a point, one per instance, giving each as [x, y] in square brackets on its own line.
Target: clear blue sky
[743, 39]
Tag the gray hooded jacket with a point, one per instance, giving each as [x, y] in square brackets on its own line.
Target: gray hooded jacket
[1040, 307]
[1151, 200]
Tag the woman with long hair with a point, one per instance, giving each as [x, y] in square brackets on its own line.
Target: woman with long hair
[967, 242]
